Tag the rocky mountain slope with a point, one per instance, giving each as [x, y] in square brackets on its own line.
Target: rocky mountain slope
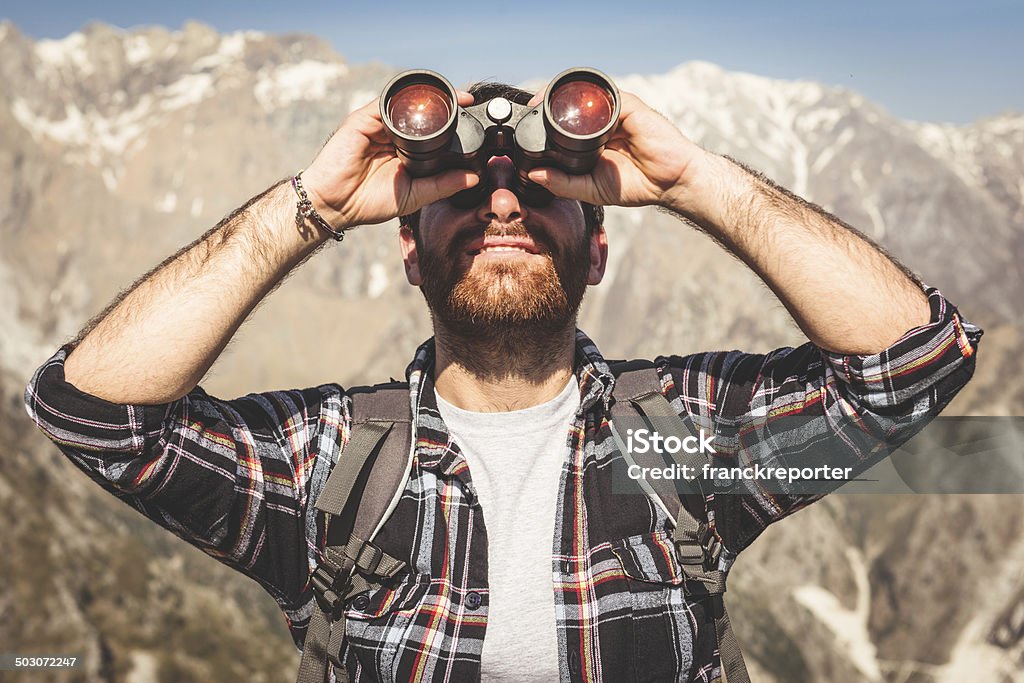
[120, 147]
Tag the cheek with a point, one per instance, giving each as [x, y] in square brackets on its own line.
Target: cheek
[435, 231]
[570, 221]
[569, 230]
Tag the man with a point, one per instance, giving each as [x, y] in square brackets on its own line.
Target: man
[523, 563]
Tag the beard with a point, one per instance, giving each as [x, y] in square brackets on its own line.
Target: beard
[503, 317]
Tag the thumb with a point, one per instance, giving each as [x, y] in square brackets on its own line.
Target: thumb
[562, 184]
[538, 96]
[436, 187]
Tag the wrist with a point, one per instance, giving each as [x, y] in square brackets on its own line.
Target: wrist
[316, 186]
[712, 193]
[276, 230]
[307, 216]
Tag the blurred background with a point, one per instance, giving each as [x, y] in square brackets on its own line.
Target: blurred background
[127, 130]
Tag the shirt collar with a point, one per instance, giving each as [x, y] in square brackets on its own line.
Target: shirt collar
[433, 444]
[593, 374]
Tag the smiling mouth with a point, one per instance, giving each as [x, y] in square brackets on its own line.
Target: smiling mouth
[502, 248]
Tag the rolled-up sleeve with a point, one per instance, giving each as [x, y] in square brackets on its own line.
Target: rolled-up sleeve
[806, 406]
[902, 386]
[233, 478]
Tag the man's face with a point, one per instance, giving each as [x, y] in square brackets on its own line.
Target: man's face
[503, 265]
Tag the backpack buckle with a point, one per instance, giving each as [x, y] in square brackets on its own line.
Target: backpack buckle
[368, 558]
[329, 588]
[711, 546]
[702, 551]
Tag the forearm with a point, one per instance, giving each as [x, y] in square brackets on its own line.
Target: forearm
[156, 342]
[845, 294]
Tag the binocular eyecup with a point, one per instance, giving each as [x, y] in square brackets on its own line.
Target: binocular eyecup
[566, 130]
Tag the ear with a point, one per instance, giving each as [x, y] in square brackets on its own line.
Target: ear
[598, 255]
[410, 257]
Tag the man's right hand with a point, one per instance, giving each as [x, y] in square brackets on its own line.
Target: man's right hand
[358, 177]
[154, 345]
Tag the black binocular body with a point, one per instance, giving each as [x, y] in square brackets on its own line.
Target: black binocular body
[566, 130]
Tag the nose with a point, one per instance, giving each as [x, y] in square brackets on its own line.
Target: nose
[502, 205]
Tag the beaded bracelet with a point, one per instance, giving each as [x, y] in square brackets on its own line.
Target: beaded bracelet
[304, 209]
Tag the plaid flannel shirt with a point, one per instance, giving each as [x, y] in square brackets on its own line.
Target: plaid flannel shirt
[238, 478]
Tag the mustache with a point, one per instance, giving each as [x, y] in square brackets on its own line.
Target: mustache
[500, 229]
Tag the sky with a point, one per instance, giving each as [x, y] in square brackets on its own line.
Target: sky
[932, 61]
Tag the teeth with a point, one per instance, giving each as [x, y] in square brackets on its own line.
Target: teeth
[502, 248]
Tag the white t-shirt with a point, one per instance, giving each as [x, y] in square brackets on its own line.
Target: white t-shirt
[515, 461]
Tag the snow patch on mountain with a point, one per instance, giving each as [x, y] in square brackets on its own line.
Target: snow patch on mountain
[101, 135]
[973, 659]
[378, 280]
[849, 627]
[826, 155]
[230, 48]
[110, 179]
[137, 49]
[306, 80]
[167, 203]
[186, 91]
[70, 50]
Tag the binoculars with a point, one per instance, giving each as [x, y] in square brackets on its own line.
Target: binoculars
[566, 130]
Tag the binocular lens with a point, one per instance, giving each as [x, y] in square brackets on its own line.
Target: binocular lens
[419, 110]
[581, 107]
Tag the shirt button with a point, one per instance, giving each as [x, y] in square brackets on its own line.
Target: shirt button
[473, 600]
[361, 602]
[574, 662]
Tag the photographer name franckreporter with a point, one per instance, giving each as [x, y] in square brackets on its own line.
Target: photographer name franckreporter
[751, 472]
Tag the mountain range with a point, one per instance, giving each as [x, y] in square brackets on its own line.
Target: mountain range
[121, 146]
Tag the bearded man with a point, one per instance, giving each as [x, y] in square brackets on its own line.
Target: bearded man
[520, 560]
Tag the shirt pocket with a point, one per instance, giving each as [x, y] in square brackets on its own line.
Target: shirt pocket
[662, 619]
[378, 624]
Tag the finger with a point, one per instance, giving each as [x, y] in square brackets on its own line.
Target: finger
[564, 185]
[465, 99]
[635, 108]
[629, 104]
[436, 187]
[631, 99]
[379, 135]
[371, 109]
[538, 97]
[367, 120]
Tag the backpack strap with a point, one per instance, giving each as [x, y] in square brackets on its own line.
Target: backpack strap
[362, 490]
[638, 393]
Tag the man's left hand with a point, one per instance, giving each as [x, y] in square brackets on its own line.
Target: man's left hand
[647, 161]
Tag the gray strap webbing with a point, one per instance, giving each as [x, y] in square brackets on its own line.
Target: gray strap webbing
[638, 392]
[371, 469]
[360, 447]
[313, 667]
[729, 650]
[324, 639]
[370, 559]
[630, 386]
